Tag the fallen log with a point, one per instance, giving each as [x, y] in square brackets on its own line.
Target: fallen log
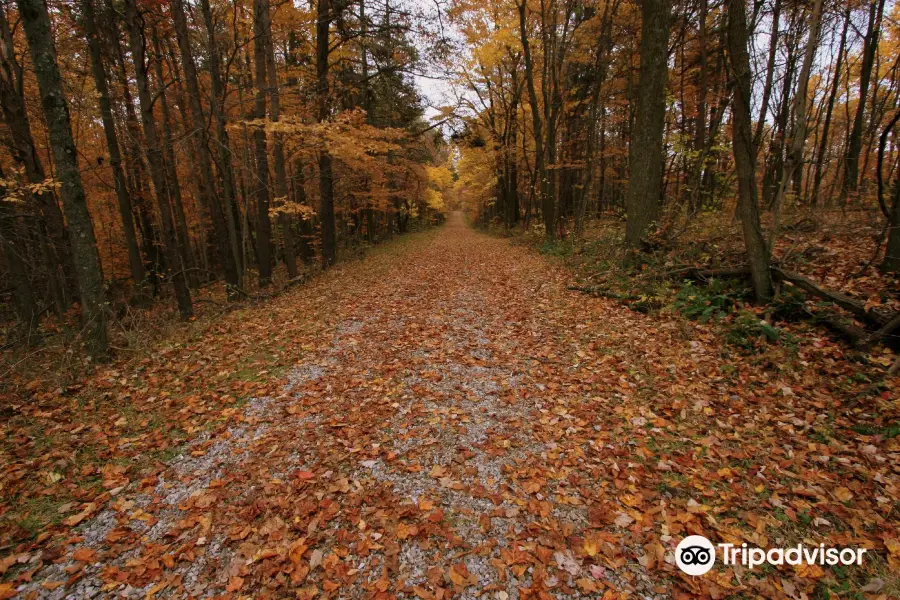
[602, 292]
[875, 337]
[859, 337]
[698, 274]
[838, 299]
[851, 333]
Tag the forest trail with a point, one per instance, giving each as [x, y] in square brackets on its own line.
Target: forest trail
[464, 427]
[442, 437]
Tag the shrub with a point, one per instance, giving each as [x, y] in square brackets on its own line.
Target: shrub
[749, 332]
[706, 303]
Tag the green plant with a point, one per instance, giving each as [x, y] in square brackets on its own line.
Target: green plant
[749, 332]
[707, 303]
[789, 305]
[560, 248]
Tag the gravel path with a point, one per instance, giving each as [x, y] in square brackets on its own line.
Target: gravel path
[447, 438]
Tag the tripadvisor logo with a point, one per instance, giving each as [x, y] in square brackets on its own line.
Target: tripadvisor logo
[696, 555]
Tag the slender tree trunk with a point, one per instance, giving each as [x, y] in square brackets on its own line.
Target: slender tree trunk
[891, 261]
[770, 74]
[775, 159]
[512, 176]
[819, 172]
[54, 238]
[696, 175]
[155, 159]
[14, 247]
[229, 195]
[177, 202]
[870, 46]
[260, 144]
[285, 220]
[140, 190]
[207, 187]
[326, 183]
[112, 143]
[646, 159]
[307, 235]
[745, 161]
[364, 56]
[797, 138]
[548, 209]
[36, 21]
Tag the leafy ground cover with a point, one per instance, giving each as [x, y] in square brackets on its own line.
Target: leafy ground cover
[445, 419]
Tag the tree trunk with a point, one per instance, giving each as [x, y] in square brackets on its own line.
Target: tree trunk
[307, 235]
[745, 161]
[207, 181]
[36, 21]
[854, 147]
[54, 238]
[140, 189]
[770, 73]
[548, 209]
[112, 142]
[819, 172]
[155, 159]
[13, 242]
[228, 204]
[891, 261]
[326, 183]
[797, 137]
[285, 220]
[184, 240]
[646, 159]
[260, 144]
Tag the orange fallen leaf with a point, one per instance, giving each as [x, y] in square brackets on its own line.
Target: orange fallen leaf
[234, 584]
[85, 554]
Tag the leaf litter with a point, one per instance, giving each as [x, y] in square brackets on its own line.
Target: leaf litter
[458, 425]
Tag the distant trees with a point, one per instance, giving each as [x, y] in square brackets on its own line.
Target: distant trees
[680, 115]
[314, 174]
[174, 247]
[213, 140]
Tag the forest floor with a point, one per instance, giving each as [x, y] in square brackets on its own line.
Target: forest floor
[444, 419]
[835, 248]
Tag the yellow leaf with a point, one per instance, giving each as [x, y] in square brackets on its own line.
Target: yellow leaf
[843, 494]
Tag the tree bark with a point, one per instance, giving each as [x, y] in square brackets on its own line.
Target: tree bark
[548, 210]
[53, 237]
[36, 21]
[854, 146]
[646, 159]
[326, 183]
[217, 109]
[819, 172]
[281, 189]
[260, 144]
[177, 202]
[134, 23]
[218, 210]
[745, 161]
[112, 143]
